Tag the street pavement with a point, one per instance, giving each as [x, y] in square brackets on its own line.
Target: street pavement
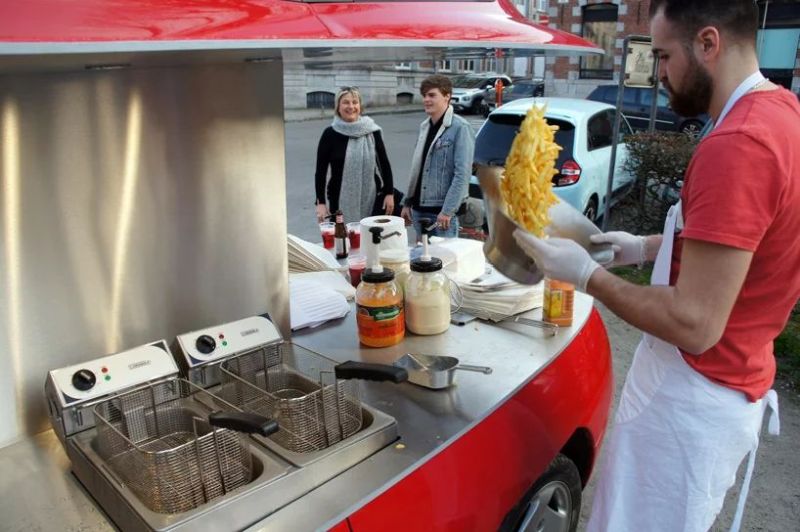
[774, 502]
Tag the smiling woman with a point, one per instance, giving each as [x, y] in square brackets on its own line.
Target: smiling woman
[352, 148]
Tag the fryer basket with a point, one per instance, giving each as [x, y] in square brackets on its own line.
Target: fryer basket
[159, 442]
[314, 409]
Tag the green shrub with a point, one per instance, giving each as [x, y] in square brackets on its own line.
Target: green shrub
[787, 349]
[658, 162]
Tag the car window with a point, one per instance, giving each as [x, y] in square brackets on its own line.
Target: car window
[495, 137]
[647, 97]
[624, 126]
[609, 95]
[630, 96]
[600, 131]
[522, 88]
[466, 82]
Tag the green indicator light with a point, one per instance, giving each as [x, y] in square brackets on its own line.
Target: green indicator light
[224, 342]
[108, 377]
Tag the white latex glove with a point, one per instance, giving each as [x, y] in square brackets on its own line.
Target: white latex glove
[628, 248]
[558, 258]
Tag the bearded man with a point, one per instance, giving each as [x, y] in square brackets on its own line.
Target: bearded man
[726, 276]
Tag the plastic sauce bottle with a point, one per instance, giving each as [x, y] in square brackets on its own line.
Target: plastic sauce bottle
[427, 297]
[379, 309]
[559, 298]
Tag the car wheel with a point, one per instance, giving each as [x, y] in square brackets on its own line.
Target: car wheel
[692, 128]
[553, 504]
[591, 209]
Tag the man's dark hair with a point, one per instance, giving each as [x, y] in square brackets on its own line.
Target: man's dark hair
[437, 81]
[738, 18]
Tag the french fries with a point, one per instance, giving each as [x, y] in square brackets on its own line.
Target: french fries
[527, 186]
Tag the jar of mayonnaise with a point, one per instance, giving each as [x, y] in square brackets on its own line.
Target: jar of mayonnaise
[427, 297]
[396, 260]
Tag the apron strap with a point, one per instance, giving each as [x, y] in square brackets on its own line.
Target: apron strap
[663, 264]
[770, 402]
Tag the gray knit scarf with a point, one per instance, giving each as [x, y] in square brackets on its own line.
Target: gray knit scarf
[357, 196]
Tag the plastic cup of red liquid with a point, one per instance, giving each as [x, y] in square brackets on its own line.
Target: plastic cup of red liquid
[354, 234]
[356, 265]
[327, 229]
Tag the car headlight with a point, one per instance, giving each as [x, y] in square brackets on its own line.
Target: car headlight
[465, 98]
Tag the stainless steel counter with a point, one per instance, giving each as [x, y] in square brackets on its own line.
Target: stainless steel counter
[38, 492]
[428, 420]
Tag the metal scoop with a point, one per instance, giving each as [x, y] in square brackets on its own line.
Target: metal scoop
[435, 372]
[501, 249]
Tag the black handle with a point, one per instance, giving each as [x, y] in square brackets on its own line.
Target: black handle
[370, 372]
[243, 422]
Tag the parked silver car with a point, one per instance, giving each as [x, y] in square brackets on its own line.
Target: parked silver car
[520, 88]
[469, 90]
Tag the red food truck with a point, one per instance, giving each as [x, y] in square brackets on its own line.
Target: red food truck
[143, 175]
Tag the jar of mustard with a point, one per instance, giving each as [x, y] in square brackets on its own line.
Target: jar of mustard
[379, 308]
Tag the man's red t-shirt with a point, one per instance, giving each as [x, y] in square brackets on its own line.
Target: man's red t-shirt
[742, 189]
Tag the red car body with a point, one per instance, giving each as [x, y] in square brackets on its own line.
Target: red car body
[479, 481]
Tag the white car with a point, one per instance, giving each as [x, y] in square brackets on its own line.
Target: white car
[585, 134]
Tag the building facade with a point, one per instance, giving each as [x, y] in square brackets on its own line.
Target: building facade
[607, 23]
[604, 23]
[307, 87]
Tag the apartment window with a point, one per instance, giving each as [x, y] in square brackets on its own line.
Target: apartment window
[405, 98]
[402, 66]
[599, 27]
[468, 65]
[320, 100]
[445, 66]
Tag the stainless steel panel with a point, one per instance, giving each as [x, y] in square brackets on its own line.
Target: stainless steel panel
[137, 203]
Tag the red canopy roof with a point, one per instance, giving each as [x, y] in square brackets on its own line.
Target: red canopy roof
[78, 26]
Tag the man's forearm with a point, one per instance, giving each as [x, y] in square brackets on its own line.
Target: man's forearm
[652, 309]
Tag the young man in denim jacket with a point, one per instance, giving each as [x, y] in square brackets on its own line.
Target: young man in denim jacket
[442, 162]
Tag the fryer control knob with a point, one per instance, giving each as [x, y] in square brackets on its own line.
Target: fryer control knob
[205, 344]
[83, 380]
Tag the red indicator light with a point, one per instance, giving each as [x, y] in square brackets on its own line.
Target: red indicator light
[221, 336]
[104, 369]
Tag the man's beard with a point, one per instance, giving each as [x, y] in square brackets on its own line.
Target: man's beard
[695, 97]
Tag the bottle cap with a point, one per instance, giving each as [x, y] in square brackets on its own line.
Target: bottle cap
[372, 275]
[434, 264]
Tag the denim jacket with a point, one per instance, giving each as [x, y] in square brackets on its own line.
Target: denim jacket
[447, 167]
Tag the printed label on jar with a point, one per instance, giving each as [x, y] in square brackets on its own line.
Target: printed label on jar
[380, 322]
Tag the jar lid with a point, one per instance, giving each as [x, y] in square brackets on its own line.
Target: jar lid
[426, 266]
[372, 276]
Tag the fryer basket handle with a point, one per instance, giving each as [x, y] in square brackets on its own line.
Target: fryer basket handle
[370, 372]
[243, 422]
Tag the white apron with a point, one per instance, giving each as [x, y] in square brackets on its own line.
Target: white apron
[677, 440]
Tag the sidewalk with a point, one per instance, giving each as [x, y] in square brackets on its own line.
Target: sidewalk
[300, 115]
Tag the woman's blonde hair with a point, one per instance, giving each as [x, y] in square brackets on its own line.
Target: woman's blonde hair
[353, 91]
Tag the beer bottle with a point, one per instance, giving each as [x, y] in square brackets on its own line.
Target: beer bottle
[340, 236]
